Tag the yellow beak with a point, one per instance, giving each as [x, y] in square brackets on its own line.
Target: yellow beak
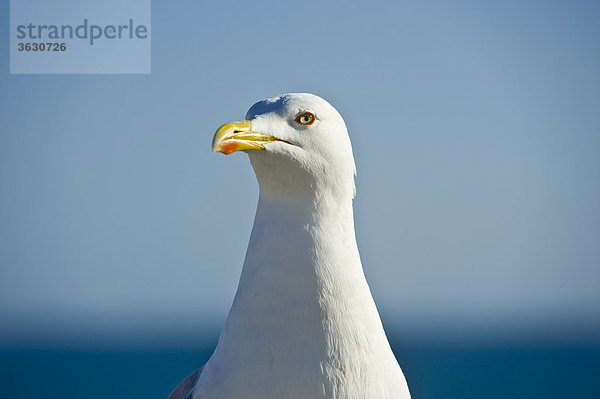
[237, 136]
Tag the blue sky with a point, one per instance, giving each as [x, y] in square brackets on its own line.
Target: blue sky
[476, 134]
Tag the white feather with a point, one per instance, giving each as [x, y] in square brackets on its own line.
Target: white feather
[303, 323]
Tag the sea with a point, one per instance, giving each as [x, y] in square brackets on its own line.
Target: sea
[433, 371]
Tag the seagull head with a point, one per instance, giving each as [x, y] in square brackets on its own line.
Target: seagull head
[298, 145]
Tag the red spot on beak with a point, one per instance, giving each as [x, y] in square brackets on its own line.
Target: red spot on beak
[229, 147]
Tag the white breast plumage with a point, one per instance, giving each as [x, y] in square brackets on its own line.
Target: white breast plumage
[303, 324]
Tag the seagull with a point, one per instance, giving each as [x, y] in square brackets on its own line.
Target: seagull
[303, 324]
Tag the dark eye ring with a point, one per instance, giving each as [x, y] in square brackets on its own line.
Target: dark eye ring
[307, 118]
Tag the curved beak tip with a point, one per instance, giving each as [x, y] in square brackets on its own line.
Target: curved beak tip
[238, 136]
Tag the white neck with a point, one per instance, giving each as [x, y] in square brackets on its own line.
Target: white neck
[303, 323]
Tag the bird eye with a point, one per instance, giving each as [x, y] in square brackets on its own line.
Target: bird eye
[307, 118]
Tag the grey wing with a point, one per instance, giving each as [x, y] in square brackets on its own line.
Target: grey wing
[185, 387]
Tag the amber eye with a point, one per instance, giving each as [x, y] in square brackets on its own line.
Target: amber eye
[307, 118]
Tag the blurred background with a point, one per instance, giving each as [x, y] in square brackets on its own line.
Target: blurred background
[476, 133]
